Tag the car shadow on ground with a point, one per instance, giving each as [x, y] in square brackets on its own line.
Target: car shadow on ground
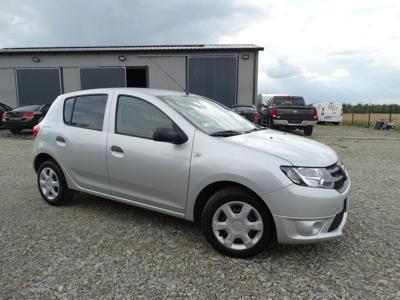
[192, 233]
[24, 134]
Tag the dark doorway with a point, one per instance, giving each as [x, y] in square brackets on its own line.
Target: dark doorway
[137, 77]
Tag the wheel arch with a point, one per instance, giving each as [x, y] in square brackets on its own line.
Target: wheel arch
[41, 158]
[211, 189]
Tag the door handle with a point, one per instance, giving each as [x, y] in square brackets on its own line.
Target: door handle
[60, 141]
[117, 149]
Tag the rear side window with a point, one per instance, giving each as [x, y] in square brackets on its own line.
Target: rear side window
[85, 111]
[288, 101]
[139, 118]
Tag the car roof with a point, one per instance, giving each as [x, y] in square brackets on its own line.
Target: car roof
[148, 91]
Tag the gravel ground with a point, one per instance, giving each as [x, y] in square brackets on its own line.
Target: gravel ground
[94, 248]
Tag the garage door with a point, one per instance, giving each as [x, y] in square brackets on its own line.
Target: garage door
[93, 78]
[213, 77]
[38, 86]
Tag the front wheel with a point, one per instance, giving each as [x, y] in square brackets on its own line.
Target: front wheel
[52, 184]
[308, 131]
[236, 223]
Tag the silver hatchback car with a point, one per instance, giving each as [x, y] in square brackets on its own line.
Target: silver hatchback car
[192, 158]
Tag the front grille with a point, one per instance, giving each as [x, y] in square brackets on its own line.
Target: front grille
[339, 177]
[338, 218]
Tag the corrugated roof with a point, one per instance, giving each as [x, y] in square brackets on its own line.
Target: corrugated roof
[149, 48]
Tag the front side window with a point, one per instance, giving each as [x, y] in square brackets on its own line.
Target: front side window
[207, 115]
[85, 111]
[139, 118]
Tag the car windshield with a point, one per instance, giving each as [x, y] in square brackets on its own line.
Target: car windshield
[244, 109]
[209, 116]
[29, 108]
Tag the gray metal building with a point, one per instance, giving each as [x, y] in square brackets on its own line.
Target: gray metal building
[227, 73]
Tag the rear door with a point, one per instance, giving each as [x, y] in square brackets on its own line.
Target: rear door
[81, 140]
[152, 173]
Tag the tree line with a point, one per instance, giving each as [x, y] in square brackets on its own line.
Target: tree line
[371, 108]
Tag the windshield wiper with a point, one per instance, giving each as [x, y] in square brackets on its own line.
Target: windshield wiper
[255, 129]
[226, 133]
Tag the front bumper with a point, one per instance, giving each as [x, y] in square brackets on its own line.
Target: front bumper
[286, 123]
[308, 215]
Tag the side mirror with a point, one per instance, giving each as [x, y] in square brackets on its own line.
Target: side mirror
[169, 135]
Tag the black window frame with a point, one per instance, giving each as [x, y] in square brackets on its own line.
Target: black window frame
[73, 109]
[176, 127]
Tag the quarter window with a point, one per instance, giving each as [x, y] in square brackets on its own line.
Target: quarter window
[68, 107]
[139, 118]
[85, 111]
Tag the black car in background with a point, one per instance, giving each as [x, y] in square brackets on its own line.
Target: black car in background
[24, 117]
[249, 112]
[3, 109]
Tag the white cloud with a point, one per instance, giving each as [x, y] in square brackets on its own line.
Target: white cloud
[340, 73]
[340, 45]
[342, 49]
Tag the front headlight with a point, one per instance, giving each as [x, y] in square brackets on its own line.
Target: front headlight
[311, 177]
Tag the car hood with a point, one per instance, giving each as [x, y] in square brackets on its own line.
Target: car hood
[297, 150]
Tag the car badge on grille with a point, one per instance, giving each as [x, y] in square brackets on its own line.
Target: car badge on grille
[295, 111]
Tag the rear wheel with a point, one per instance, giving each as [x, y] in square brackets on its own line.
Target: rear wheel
[52, 184]
[15, 131]
[236, 223]
[308, 131]
[336, 123]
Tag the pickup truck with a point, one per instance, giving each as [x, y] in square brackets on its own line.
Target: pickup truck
[287, 112]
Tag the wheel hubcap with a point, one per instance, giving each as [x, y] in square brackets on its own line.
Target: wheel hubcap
[49, 183]
[237, 225]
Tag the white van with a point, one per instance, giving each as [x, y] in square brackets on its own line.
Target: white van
[329, 112]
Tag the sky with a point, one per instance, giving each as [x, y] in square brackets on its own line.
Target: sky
[325, 50]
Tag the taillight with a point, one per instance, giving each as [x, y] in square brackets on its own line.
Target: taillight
[258, 117]
[274, 112]
[323, 111]
[315, 114]
[5, 116]
[36, 130]
[28, 116]
[341, 112]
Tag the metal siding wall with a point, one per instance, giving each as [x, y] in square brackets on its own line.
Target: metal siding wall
[71, 79]
[246, 79]
[213, 77]
[38, 86]
[8, 92]
[92, 78]
[167, 72]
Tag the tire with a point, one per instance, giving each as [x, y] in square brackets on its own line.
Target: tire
[15, 131]
[308, 131]
[336, 123]
[228, 241]
[270, 123]
[53, 196]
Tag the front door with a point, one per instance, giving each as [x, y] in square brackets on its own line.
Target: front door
[140, 169]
